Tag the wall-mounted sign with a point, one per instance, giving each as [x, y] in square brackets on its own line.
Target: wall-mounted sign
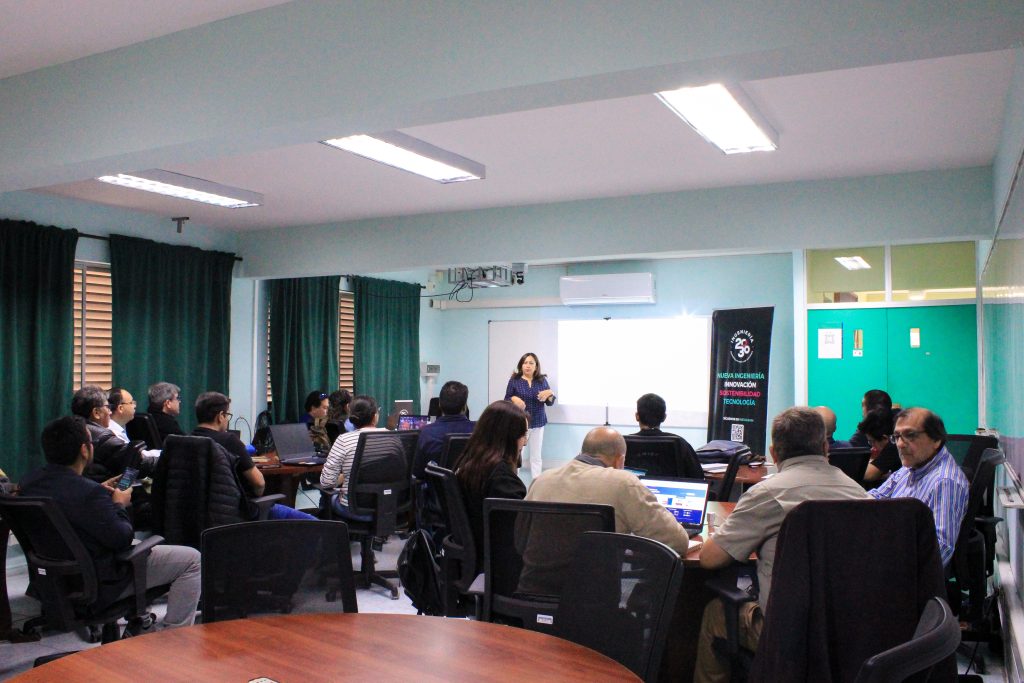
[915, 337]
[858, 343]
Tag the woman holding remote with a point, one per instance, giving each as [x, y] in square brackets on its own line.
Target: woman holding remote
[528, 388]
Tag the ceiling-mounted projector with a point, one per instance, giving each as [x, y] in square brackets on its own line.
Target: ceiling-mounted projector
[482, 276]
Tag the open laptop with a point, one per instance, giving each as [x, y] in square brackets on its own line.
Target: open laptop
[410, 422]
[686, 499]
[293, 445]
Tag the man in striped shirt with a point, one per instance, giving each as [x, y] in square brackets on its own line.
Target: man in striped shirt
[929, 474]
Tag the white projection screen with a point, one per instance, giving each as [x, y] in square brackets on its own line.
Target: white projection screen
[598, 368]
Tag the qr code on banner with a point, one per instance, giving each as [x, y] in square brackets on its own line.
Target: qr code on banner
[736, 432]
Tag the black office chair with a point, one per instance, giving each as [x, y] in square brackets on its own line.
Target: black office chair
[936, 638]
[454, 444]
[528, 546]
[262, 439]
[378, 495]
[142, 427]
[195, 487]
[662, 456]
[722, 489]
[852, 461]
[62, 574]
[967, 449]
[970, 567]
[619, 599]
[815, 627]
[250, 565]
[459, 569]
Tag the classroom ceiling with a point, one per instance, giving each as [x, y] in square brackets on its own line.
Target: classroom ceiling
[929, 114]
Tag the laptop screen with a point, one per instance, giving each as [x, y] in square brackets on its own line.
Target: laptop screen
[292, 441]
[408, 422]
[686, 499]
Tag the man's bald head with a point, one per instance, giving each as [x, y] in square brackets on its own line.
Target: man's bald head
[605, 443]
[829, 418]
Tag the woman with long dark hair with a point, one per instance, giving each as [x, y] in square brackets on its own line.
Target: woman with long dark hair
[528, 389]
[487, 466]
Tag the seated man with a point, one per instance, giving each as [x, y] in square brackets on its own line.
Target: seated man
[875, 399]
[97, 514]
[453, 420]
[213, 416]
[122, 411]
[650, 413]
[112, 455]
[929, 473]
[798, 447]
[596, 476]
[829, 417]
[165, 406]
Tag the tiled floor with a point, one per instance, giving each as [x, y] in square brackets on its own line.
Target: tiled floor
[15, 658]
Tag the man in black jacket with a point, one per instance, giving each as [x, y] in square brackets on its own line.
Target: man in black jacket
[112, 455]
[651, 411]
[165, 406]
[97, 514]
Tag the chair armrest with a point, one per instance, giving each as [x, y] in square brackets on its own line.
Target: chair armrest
[732, 597]
[264, 503]
[138, 555]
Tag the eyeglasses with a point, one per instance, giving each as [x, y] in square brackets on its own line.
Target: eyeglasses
[908, 435]
[227, 415]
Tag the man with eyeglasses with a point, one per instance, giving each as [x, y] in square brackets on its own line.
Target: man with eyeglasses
[165, 406]
[112, 455]
[929, 473]
[122, 411]
[213, 418]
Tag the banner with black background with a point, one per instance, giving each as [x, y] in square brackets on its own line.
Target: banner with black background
[741, 340]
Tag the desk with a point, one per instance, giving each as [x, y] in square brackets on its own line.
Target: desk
[681, 647]
[284, 478]
[334, 647]
[745, 474]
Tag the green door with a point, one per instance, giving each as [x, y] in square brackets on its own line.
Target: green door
[937, 369]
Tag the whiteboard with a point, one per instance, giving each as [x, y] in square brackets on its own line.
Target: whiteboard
[598, 368]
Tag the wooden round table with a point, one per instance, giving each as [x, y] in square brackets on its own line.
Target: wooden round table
[333, 647]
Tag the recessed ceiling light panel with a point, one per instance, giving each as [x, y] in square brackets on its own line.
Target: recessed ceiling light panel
[853, 262]
[186, 187]
[723, 116]
[413, 155]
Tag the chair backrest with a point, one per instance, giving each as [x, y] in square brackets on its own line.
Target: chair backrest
[852, 461]
[936, 638]
[379, 482]
[142, 427]
[459, 544]
[60, 568]
[195, 487]
[723, 491]
[409, 438]
[662, 456]
[527, 549]
[454, 444]
[982, 479]
[815, 627]
[619, 598]
[245, 562]
[967, 449]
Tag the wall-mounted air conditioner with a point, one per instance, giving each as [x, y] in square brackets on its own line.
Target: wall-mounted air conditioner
[615, 288]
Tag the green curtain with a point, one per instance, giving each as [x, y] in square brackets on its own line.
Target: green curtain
[171, 319]
[303, 341]
[36, 336]
[387, 348]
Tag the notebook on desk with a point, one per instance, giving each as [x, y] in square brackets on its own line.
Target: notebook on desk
[294, 446]
[686, 499]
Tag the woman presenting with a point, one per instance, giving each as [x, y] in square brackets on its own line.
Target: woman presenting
[528, 388]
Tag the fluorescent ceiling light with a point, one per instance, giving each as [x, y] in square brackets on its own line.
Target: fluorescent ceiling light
[186, 187]
[410, 154]
[853, 262]
[723, 116]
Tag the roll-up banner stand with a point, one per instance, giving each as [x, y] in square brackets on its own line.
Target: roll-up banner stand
[741, 340]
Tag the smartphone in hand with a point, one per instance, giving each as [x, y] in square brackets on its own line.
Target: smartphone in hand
[127, 479]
